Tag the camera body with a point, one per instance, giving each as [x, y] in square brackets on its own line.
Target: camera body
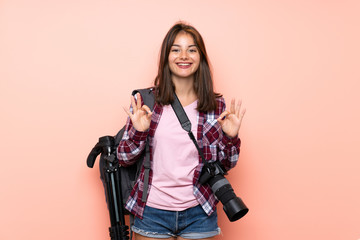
[213, 174]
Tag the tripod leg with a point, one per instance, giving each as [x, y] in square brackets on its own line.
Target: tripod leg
[110, 199]
[118, 229]
[119, 196]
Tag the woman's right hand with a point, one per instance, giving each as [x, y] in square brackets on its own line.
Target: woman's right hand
[141, 115]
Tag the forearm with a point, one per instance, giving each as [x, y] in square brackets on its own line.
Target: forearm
[229, 150]
[131, 145]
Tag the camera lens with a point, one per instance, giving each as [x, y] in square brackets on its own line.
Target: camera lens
[233, 206]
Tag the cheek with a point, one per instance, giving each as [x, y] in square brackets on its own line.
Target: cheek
[197, 63]
[172, 65]
[170, 61]
[171, 58]
[196, 68]
[197, 59]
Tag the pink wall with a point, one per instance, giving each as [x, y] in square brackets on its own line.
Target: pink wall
[68, 67]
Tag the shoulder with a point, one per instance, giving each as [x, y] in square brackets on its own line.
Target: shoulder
[220, 105]
[220, 100]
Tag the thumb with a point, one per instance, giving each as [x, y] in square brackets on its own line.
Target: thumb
[220, 119]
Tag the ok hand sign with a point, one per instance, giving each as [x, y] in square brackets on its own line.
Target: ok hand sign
[230, 121]
[141, 116]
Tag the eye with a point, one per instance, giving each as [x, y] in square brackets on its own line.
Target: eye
[175, 50]
[193, 50]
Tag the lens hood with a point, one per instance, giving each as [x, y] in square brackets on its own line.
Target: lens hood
[235, 209]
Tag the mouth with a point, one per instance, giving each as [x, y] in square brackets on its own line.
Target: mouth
[184, 65]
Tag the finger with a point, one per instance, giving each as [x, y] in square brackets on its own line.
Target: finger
[148, 116]
[238, 107]
[138, 100]
[133, 104]
[242, 114]
[232, 106]
[128, 112]
[222, 115]
[146, 109]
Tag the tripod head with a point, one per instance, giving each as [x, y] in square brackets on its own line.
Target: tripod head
[105, 145]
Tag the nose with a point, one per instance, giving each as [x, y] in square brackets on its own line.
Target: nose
[183, 55]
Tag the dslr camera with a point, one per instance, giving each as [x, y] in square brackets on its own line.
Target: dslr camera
[213, 174]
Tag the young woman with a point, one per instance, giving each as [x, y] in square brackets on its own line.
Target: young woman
[177, 205]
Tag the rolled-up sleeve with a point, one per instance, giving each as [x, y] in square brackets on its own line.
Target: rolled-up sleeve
[229, 151]
[131, 144]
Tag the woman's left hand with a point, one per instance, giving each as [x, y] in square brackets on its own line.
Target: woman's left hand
[230, 121]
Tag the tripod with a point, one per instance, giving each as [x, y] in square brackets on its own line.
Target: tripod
[110, 175]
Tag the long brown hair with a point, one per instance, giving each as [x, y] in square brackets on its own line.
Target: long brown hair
[203, 84]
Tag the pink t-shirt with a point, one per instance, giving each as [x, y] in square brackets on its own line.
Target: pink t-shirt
[175, 158]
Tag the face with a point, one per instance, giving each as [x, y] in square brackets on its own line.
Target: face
[184, 57]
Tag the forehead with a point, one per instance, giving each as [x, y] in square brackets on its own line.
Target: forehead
[184, 38]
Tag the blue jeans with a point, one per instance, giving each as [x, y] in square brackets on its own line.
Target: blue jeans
[192, 223]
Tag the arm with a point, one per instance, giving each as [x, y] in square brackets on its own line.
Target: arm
[229, 144]
[131, 144]
[136, 131]
[229, 150]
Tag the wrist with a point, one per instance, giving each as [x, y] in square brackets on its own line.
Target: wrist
[137, 135]
[229, 140]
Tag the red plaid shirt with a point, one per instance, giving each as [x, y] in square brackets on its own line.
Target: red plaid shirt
[211, 139]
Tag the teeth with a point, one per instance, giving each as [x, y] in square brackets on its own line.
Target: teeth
[184, 64]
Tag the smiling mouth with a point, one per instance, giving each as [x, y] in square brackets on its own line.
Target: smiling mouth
[183, 65]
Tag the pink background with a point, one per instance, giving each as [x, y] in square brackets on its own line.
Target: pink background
[67, 68]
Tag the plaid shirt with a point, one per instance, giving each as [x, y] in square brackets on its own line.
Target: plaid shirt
[211, 139]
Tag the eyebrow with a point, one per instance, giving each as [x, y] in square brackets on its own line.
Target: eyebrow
[176, 45]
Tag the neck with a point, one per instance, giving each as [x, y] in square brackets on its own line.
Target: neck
[184, 89]
[183, 86]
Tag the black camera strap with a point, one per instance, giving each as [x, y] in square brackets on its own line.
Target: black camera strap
[186, 124]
